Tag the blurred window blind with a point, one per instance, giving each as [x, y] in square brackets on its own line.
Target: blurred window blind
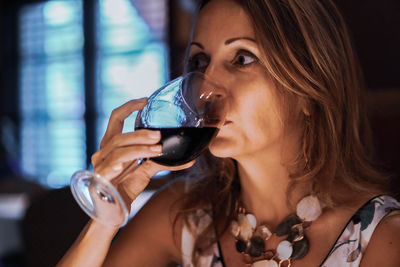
[131, 62]
[132, 54]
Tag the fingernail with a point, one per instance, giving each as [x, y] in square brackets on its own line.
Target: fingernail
[156, 148]
[142, 99]
[117, 167]
[155, 135]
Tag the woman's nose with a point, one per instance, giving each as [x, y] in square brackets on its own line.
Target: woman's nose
[213, 73]
[215, 76]
[208, 89]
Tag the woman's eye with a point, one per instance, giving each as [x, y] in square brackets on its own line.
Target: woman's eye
[244, 58]
[198, 62]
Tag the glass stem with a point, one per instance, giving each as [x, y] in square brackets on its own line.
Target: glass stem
[133, 165]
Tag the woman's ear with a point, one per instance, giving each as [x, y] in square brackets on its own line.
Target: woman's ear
[306, 111]
[305, 106]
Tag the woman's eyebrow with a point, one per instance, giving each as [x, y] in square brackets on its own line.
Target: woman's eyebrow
[227, 42]
[231, 40]
[197, 44]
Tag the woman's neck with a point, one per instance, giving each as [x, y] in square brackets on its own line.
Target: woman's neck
[264, 183]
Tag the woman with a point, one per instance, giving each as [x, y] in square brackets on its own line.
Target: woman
[294, 145]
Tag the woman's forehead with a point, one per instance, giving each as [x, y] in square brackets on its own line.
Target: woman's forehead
[223, 17]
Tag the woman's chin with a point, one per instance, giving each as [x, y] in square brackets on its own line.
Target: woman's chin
[221, 148]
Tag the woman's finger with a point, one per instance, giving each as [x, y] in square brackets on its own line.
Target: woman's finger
[139, 137]
[112, 165]
[150, 168]
[118, 115]
[135, 182]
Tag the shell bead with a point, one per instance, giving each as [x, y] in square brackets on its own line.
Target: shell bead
[296, 233]
[300, 249]
[250, 238]
[246, 230]
[235, 228]
[284, 250]
[256, 247]
[252, 220]
[265, 263]
[241, 246]
[264, 232]
[285, 226]
[309, 208]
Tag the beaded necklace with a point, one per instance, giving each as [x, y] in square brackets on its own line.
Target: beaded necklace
[250, 238]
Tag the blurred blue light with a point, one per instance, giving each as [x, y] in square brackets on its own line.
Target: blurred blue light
[131, 63]
[60, 12]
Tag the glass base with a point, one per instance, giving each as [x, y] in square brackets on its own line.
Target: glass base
[99, 199]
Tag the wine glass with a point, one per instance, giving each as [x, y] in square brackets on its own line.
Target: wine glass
[188, 112]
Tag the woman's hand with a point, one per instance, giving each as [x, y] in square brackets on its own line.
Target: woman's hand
[118, 150]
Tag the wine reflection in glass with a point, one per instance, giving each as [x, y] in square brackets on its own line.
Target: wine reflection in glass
[188, 112]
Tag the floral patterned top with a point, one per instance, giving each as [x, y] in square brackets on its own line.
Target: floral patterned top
[346, 252]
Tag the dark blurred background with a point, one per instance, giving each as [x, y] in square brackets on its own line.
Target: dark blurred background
[64, 65]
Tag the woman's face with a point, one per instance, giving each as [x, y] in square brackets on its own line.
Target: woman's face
[225, 48]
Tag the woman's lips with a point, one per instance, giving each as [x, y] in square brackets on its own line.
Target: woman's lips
[227, 122]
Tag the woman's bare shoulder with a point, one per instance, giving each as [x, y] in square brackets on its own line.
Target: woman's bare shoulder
[149, 238]
[384, 246]
[168, 198]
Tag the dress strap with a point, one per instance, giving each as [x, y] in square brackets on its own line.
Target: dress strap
[352, 243]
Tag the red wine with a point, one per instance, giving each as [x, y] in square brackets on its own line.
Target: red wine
[184, 144]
